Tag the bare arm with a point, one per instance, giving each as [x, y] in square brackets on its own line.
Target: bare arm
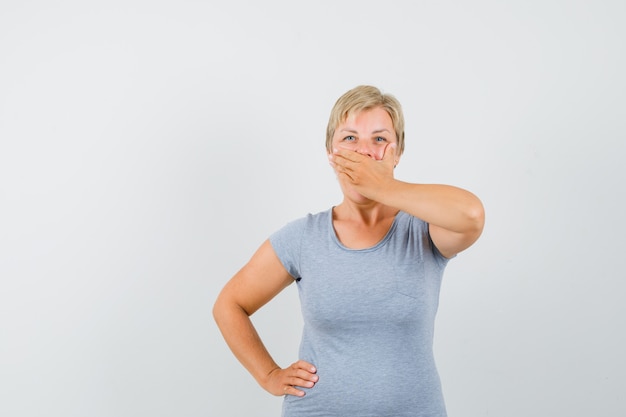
[455, 216]
[260, 280]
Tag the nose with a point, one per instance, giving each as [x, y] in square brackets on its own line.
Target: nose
[365, 149]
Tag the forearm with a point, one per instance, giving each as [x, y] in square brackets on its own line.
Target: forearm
[243, 340]
[448, 207]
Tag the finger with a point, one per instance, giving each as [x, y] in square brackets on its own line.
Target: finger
[348, 154]
[302, 378]
[389, 157]
[304, 368]
[345, 176]
[293, 385]
[340, 166]
[343, 165]
[302, 374]
[299, 382]
[332, 160]
[291, 390]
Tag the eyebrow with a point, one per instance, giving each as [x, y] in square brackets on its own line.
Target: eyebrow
[373, 132]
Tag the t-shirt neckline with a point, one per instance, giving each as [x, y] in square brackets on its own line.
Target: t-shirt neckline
[382, 242]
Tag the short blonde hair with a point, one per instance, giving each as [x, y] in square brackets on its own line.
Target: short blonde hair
[365, 97]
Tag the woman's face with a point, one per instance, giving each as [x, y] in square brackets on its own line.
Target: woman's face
[367, 132]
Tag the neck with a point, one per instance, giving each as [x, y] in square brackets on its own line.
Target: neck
[367, 213]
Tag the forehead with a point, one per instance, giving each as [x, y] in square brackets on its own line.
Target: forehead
[377, 117]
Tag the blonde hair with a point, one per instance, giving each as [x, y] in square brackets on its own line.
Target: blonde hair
[365, 97]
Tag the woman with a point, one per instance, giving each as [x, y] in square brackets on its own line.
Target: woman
[368, 273]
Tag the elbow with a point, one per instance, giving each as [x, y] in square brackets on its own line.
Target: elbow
[476, 217]
[225, 309]
[217, 310]
[220, 310]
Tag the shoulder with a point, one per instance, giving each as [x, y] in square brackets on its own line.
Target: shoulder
[310, 220]
[416, 230]
[410, 223]
[288, 241]
[296, 229]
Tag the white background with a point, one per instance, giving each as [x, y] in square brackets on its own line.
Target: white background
[149, 147]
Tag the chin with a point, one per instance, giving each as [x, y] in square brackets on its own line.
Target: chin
[356, 197]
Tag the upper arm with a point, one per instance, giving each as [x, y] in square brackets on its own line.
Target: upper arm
[449, 243]
[260, 280]
[463, 231]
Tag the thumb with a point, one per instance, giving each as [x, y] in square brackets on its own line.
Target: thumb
[390, 154]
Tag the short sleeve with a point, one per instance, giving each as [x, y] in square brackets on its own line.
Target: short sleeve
[287, 243]
[420, 230]
[442, 260]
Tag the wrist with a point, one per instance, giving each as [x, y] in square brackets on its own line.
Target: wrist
[265, 378]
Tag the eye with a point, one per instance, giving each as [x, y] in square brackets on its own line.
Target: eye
[349, 139]
[380, 139]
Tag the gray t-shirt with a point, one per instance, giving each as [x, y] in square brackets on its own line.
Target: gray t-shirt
[368, 319]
